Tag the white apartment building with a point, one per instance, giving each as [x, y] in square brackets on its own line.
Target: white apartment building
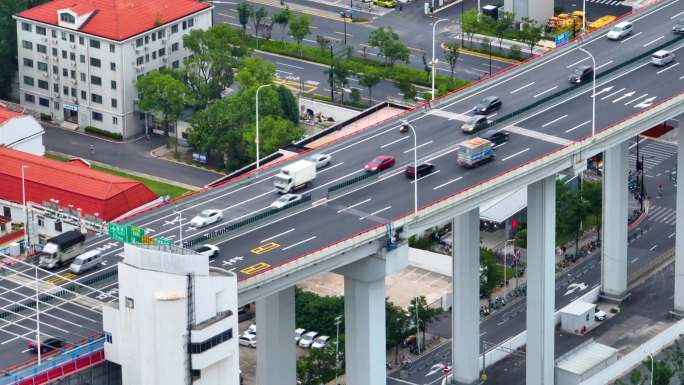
[79, 59]
[176, 319]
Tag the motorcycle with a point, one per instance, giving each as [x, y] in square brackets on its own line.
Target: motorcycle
[403, 128]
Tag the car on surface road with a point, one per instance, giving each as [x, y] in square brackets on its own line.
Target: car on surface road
[206, 217]
[208, 250]
[46, 345]
[474, 124]
[487, 105]
[385, 3]
[600, 315]
[321, 160]
[307, 339]
[423, 169]
[581, 74]
[662, 58]
[320, 342]
[620, 30]
[379, 163]
[286, 200]
[496, 137]
[679, 27]
[248, 340]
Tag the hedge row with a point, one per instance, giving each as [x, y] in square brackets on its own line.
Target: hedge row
[105, 133]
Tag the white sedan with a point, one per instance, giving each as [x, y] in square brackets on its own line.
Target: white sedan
[321, 160]
[307, 339]
[206, 217]
[208, 250]
[286, 200]
[320, 342]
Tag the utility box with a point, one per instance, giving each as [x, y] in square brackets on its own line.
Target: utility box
[583, 362]
[577, 317]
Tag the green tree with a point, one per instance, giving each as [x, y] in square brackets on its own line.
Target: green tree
[470, 23]
[521, 238]
[282, 18]
[571, 209]
[662, 371]
[451, 54]
[163, 96]
[403, 83]
[592, 194]
[355, 96]
[420, 312]
[426, 68]
[369, 80]
[274, 133]
[323, 43]
[388, 43]
[531, 33]
[208, 71]
[397, 326]
[257, 16]
[338, 75]
[289, 105]
[254, 72]
[317, 367]
[503, 24]
[244, 11]
[492, 272]
[300, 27]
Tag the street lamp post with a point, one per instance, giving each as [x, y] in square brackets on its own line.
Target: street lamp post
[40, 356]
[26, 218]
[417, 320]
[584, 18]
[651, 356]
[593, 91]
[256, 140]
[180, 227]
[434, 60]
[415, 165]
[338, 320]
[345, 14]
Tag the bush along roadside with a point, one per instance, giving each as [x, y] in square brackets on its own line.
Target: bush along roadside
[356, 64]
[104, 133]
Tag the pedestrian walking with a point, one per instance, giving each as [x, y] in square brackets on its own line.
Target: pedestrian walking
[400, 8]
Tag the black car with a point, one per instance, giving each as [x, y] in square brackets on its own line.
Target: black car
[679, 27]
[581, 74]
[46, 345]
[487, 105]
[423, 169]
[496, 137]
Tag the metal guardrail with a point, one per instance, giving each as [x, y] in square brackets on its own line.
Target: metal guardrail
[349, 182]
[239, 224]
[70, 361]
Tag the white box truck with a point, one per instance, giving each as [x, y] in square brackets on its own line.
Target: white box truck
[295, 176]
[61, 249]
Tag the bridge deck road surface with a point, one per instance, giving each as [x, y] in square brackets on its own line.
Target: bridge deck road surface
[576, 281]
[310, 227]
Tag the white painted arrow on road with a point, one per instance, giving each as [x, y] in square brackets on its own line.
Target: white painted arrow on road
[635, 99]
[625, 96]
[646, 102]
[573, 287]
[607, 89]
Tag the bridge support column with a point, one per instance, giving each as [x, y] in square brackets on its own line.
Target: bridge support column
[678, 310]
[541, 234]
[276, 350]
[614, 224]
[465, 344]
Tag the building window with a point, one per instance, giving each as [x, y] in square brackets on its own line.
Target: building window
[72, 38]
[95, 62]
[28, 63]
[65, 72]
[64, 34]
[162, 52]
[54, 52]
[73, 92]
[55, 70]
[73, 74]
[72, 56]
[57, 109]
[175, 64]
[29, 98]
[174, 28]
[201, 347]
[94, 43]
[154, 36]
[58, 226]
[96, 80]
[26, 27]
[41, 48]
[113, 84]
[112, 66]
[161, 33]
[41, 222]
[44, 102]
[27, 44]
[28, 80]
[96, 98]
[115, 120]
[82, 58]
[191, 23]
[81, 40]
[84, 95]
[43, 84]
[154, 55]
[42, 66]
[41, 30]
[140, 60]
[65, 90]
[112, 48]
[97, 116]
[64, 54]
[108, 337]
[6, 212]
[174, 47]
[67, 18]
[130, 303]
[114, 103]
[139, 42]
[147, 39]
[83, 77]
[55, 87]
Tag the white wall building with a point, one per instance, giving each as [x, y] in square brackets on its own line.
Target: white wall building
[176, 317]
[21, 132]
[79, 59]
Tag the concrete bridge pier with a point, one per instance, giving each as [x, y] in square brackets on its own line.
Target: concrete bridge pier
[465, 346]
[541, 235]
[678, 310]
[276, 350]
[614, 224]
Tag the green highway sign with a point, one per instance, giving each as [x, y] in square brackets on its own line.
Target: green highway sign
[164, 241]
[126, 233]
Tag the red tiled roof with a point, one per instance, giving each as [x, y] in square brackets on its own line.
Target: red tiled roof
[6, 114]
[117, 19]
[92, 191]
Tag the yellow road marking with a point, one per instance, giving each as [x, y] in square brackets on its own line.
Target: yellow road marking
[257, 267]
[297, 86]
[60, 279]
[266, 247]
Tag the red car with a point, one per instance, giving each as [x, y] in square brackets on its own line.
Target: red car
[379, 163]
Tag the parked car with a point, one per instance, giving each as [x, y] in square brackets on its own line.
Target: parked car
[379, 163]
[496, 137]
[423, 169]
[307, 339]
[286, 200]
[298, 334]
[320, 342]
[247, 340]
[581, 74]
[662, 57]
[210, 251]
[475, 124]
[206, 217]
[47, 344]
[321, 160]
[251, 329]
[487, 105]
[679, 27]
[600, 315]
[620, 30]
[385, 3]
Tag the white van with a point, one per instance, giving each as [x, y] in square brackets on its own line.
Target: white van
[86, 261]
[620, 30]
[662, 57]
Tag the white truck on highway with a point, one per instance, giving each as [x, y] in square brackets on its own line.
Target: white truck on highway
[295, 176]
[474, 151]
[61, 249]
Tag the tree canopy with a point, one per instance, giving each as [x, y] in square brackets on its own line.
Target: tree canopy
[388, 43]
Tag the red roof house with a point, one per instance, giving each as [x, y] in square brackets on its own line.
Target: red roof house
[92, 191]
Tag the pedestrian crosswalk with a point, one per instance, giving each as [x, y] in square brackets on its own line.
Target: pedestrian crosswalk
[653, 152]
[605, 2]
[660, 214]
